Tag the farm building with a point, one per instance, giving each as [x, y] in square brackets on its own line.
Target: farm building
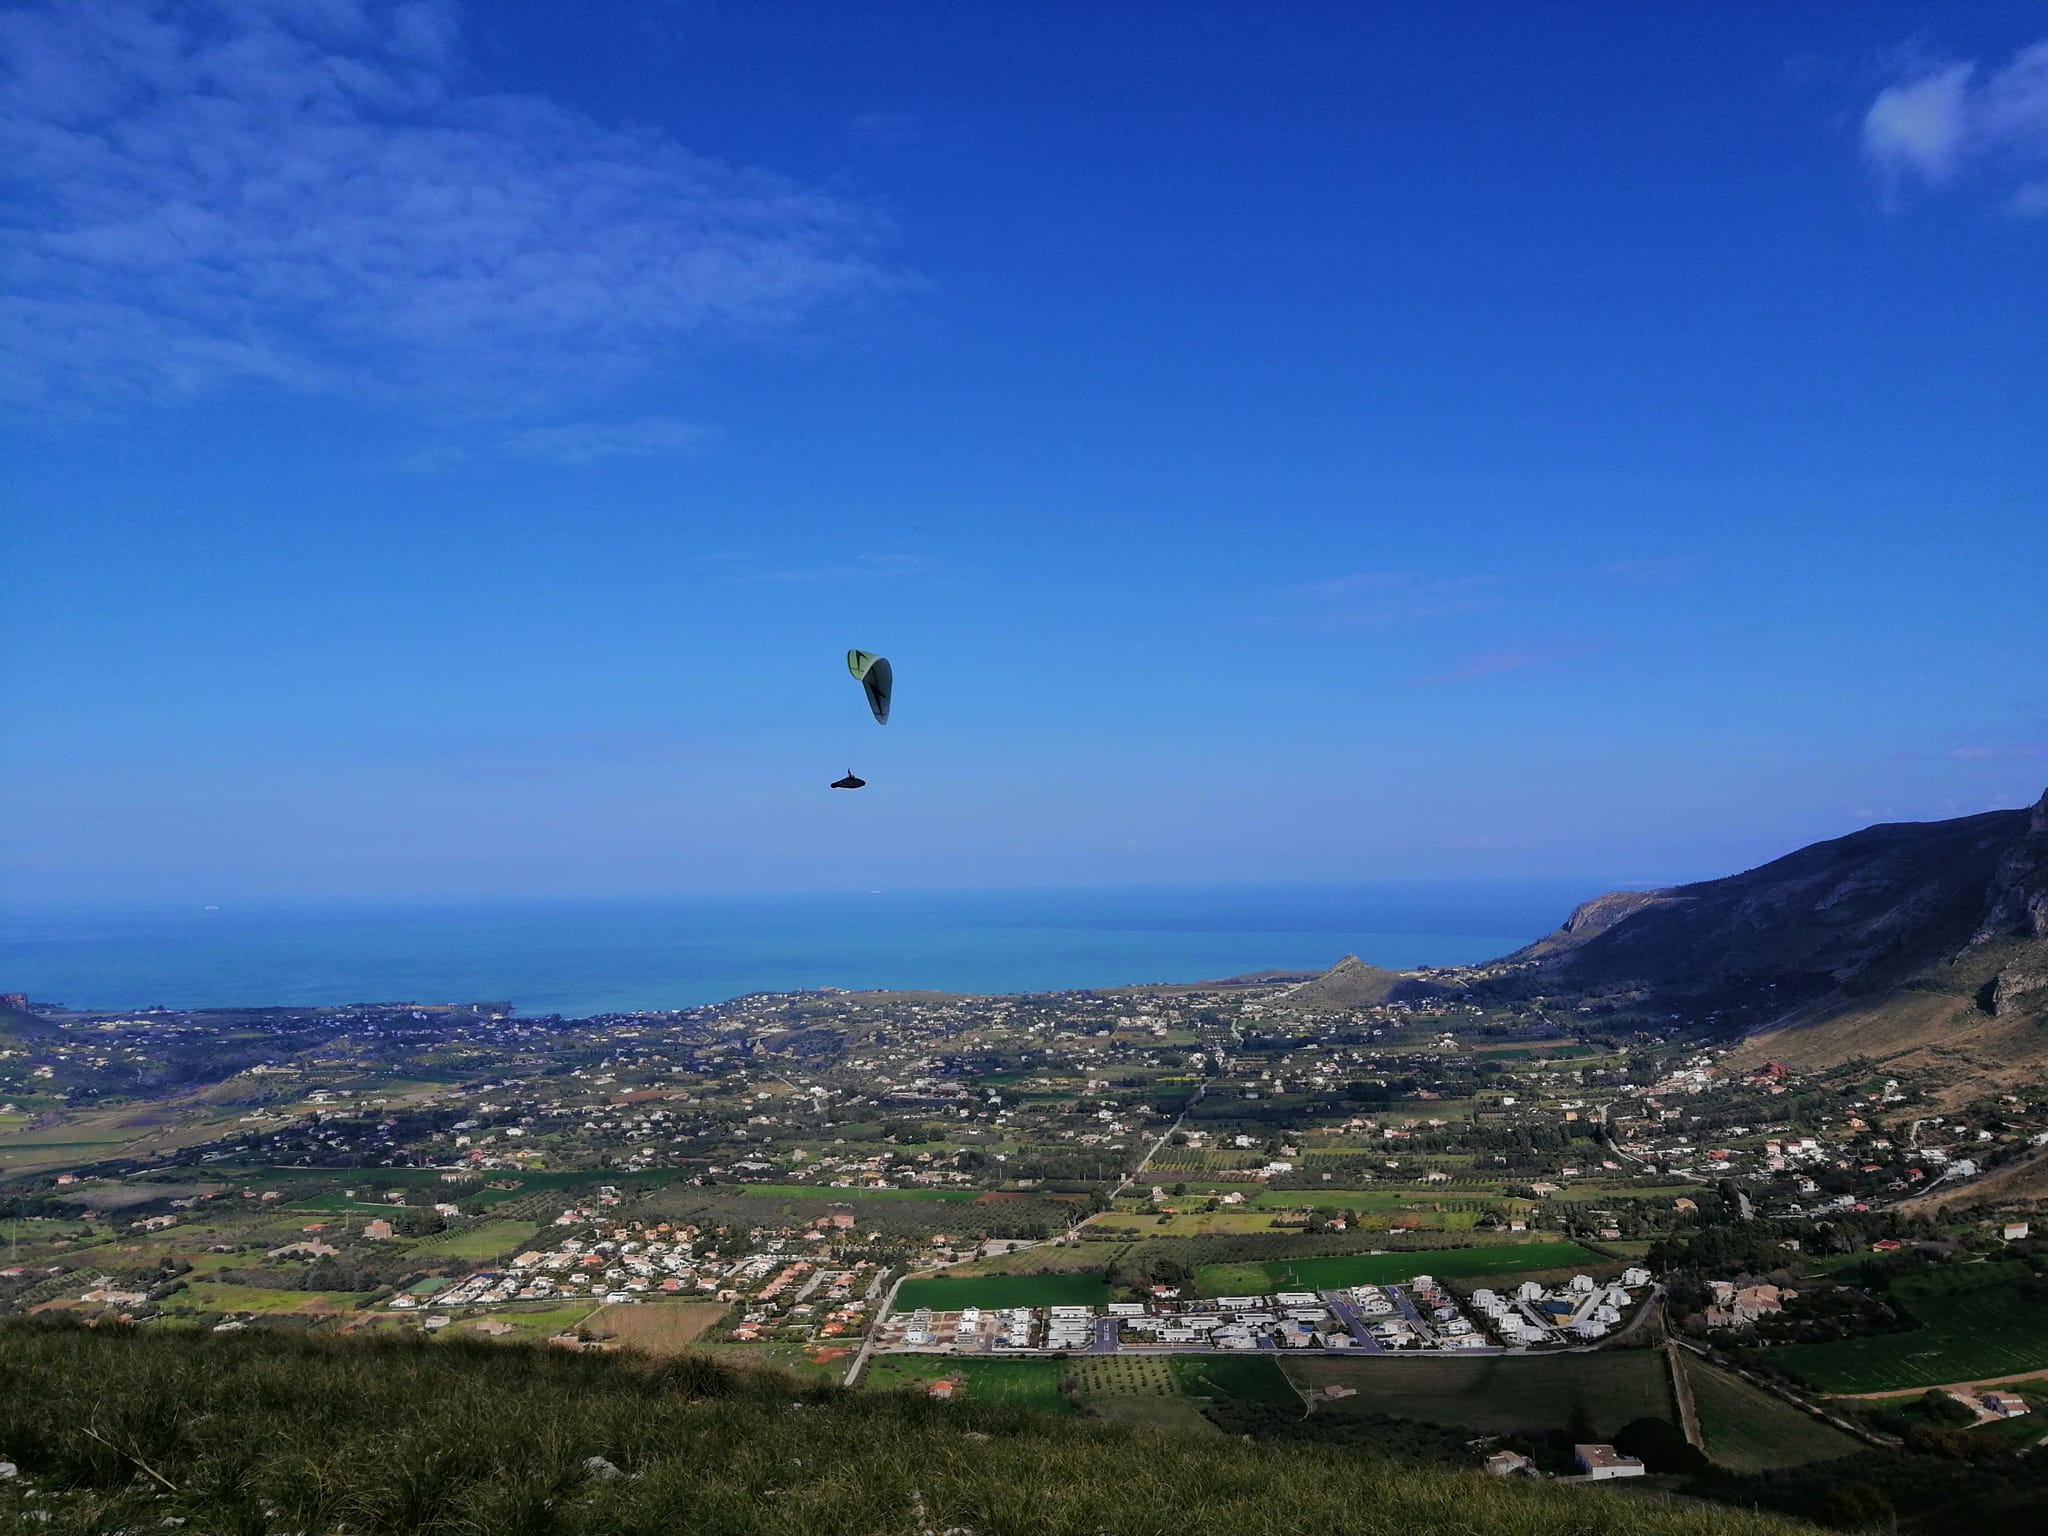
[1604, 1461]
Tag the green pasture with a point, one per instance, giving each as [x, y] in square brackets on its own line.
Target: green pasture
[1131, 1389]
[1388, 1268]
[1247, 1378]
[528, 1325]
[1042, 1256]
[1964, 1336]
[491, 1240]
[1749, 1430]
[949, 1293]
[1017, 1383]
[212, 1296]
[826, 1193]
[1497, 1394]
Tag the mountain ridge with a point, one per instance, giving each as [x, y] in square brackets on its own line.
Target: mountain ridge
[1923, 940]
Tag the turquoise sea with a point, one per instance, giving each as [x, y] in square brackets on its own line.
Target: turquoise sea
[592, 956]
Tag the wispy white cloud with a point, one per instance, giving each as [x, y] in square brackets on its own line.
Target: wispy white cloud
[1979, 753]
[872, 567]
[1486, 664]
[1941, 122]
[587, 442]
[1643, 573]
[304, 193]
[885, 128]
[1375, 599]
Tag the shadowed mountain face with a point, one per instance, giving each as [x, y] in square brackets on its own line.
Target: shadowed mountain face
[1841, 919]
[1942, 909]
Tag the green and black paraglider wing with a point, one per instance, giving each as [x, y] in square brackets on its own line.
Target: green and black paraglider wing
[872, 672]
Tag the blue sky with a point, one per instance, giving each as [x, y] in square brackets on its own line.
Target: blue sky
[449, 451]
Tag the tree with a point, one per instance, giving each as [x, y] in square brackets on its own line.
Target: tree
[1659, 1445]
[1855, 1507]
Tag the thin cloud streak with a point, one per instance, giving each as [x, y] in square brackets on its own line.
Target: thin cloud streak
[305, 197]
[589, 442]
[1989, 754]
[1488, 664]
[887, 567]
[1376, 599]
[1495, 663]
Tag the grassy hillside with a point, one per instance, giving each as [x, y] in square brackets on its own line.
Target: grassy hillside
[115, 1429]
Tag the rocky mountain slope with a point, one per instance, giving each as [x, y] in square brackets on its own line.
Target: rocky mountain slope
[1849, 918]
[1924, 944]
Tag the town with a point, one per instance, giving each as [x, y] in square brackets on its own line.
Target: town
[1070, 1200]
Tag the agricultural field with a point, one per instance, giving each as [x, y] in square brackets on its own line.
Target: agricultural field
[1497, 1394]
[1033, 1384]
[1748, 1430]
[491, 1240]
[1385, 1268]
[1182, 1223]
[1049, 1257]
[516, 1325]
[1134, 1390]
[658, 1327]
[827, 1193]
[1970, 1335]
[210, 1296]
[947, 1293]
[1254, 1379]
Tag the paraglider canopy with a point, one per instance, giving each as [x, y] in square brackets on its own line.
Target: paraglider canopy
[873, 674]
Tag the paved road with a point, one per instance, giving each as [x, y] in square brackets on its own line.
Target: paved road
[1355, 1322]
[1153, 1150]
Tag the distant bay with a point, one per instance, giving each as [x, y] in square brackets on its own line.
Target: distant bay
[579, 957]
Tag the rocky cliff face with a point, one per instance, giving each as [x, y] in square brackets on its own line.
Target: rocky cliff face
[2018, 902]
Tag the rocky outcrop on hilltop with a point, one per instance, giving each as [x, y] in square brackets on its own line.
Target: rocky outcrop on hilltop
[1350, 983]
[1592, 918]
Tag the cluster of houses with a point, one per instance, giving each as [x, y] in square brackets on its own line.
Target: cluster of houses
[1739, 1306]
[635, 1262]
[1291, 1320]
[1596, 1463]
[1422, 1315]
[972, 1329]
[1582, 1309]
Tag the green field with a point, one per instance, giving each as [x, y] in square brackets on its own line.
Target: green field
[1386, 1268]
[1749, 1430]
[1965, 1336]
[1133, 1389]
[207, 1296]
[525, 1326]
[827, 1193]
[948, 1293]
[1498, 1394]
[1051, 1256]
[1018, 1383]
[1251, 1379]
[493, 1239]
